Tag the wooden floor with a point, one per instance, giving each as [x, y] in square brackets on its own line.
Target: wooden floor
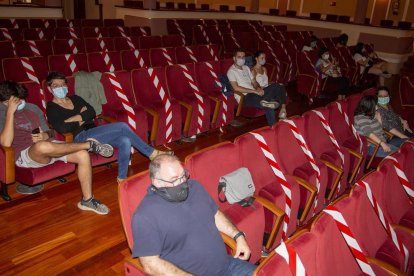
[46, 234]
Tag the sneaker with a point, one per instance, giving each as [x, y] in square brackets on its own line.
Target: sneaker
[282, 114]
[156, 152]
[188, 139]
[236, 123]
[269, 104]
[28, 190]
[93, 205]
[104, 150]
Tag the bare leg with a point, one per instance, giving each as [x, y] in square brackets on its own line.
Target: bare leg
[42, 151]
[82, 159]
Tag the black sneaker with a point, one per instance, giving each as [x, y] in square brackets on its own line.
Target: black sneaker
[104, 150]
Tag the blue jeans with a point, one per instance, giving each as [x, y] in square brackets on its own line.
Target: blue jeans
[239, 267]
[120, 136]
[394, 144]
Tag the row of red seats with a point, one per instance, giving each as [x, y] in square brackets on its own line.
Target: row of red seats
[406, 92]
[76, 32]
[22, 23]
[298, 187]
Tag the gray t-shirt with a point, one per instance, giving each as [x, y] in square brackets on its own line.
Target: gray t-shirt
[366, 126]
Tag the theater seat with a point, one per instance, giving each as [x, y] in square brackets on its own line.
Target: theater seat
[99, 61]
[135, 59]
[31, 48]
[13, 69]
[68, 64]
[68, 46]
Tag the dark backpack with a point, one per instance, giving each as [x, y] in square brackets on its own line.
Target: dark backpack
[226, 88]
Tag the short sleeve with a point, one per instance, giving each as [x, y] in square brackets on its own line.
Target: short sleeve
[147, 238]
[231, 75]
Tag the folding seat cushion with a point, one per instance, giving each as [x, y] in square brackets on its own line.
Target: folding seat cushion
[92, 22]
[162, 56]
[187, 54]
[115, 107]
[373, 237]
[68, 46]
[150, 88]
[123, 43]
[6, 49]
[11, 34]
[298, 164]
[182, 87]
[14, 23]
[118, 31]
[68, 64]
[13, 68]
[207, 79]
[113, 22]
[267, 184]
[135, 59]
[67, 33]
[204, 168]
[323, 148]
[148, 42]
[99, 44]
[343, 133]
[140, 31]
[208, 52]
[172, 41]
[38, 33]
[42, 23]
[31, 48]
[68, 23]
[91, 32]
[99, 62]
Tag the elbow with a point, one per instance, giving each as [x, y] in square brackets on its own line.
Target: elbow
[5, 142]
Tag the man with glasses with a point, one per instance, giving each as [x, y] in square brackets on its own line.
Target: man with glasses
[176, 227]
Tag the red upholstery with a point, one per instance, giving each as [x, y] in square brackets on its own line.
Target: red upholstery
[213, 34]
[114, 107]
[157, 57]
[16, 34]
[137, 31]
[31, 177]
[61, 64]
[183, 55]
[113, 22]
[23, 49]
[65, 32]
[229, 43]
[130, 60]
[207, 84]
[247, 40]
[6, 49]
[323, 148]
[203, 167]
[204, 53]
[406, 90]
[121, 43]
[199, 36]
[34, 34]
[62, 46]
[148, 42]
[14, 70]
[68, 22]
[172, 41]
[42, 23]
[307, 76]
[180, 89]
[96, 61]
[6, 23]
[265, 181]
[92, 23]
[149, 97]
[353, 102]
[285, 144]
[407, 150]
[185, 26]
[114, 31]
[93, 44]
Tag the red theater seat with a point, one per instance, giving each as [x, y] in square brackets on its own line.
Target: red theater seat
[14, 70]
[42, 23]
[68, 23]
[26, 48]
[68, 64]
[96, 61]
[113, 22]
[89, 32]
[96, 45]
[68, 46]
[131, 59]
[121, 43]
[118, 31]
[38, 33]
[184, 53]
[162, 56]
[67, 33]
[172, 41]
[148, 42]
[92, 23]
[14, 23]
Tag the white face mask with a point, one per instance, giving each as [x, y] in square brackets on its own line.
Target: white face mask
[313, 44]
[240, 61]
[325, 56]
[21, 105]
[262, 62]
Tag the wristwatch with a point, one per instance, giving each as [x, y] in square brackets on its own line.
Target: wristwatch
[238, 235]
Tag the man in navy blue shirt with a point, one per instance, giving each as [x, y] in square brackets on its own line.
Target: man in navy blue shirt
[176, 227]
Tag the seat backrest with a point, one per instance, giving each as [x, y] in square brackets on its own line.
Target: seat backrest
[92, 22]
[67, 32]
[68, 64]
[38, 33]
[114, 102]
[131, 59]
[143, 87]
[42, 23]
[94, 44]
[6, 49]
[121, 43]
[337, 122]
[213, 34]
[182, 54]
[14, 23]
[172, 41]
[14, 70]
[205, 79]
[205, 52]
[34, 95]
[68, 46]
[353, 102]
[68, 23]
[96, 61]
[225, 65]
[407, 149]
[113, 22]
[178, 85]
[162, 56]
[15, 34]
[24, 49]
[90, 32]
[140, 31]
[115, 31]
[406, 90]
[148, 42]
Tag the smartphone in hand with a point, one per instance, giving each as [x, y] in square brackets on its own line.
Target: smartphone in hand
[36, 131]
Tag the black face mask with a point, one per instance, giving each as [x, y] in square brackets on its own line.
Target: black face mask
[177, 193]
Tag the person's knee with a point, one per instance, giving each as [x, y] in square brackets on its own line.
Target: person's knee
[42, 147]
[124, 143]
[80, 157]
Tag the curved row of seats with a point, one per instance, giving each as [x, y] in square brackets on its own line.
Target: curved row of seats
[21, 23]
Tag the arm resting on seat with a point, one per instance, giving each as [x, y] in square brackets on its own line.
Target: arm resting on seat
[312, 190]
[229, 242]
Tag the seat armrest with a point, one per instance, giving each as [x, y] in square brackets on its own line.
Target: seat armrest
[216, 108]
[339, 172]
[187, 116]
[355, 170]
[155, 121]
[7, 163]
[312, 190]
[241, 102]
[229, 242]
[377, 146]
[392, 270]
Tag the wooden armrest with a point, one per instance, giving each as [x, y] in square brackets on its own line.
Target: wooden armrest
[389, 134]
[216, 108]
[392, 270]
[229, 242]
[355, 170]
[108, 119]
[339, 172]
[279, 214]
[155, 122]
[377, 145]
[239, 107]
[68, 137]
[313, 191]
[9, 164]
[403, 228]
[187, 116]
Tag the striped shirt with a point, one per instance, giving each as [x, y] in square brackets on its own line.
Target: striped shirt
[366, 126]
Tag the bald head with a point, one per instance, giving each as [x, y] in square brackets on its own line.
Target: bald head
[165, 165]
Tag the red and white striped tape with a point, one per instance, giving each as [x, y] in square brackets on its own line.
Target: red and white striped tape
[141, 61]
[255, 30]
[143, 31]
[290, 62]
[167, 56]
[180, 31]
[14, 23]
[384, 221]
[234, 40]
[190, 53]
[219, 32]
[348, 122]
[71, 62]
[46, 23]
[402, 177]
[108, 61]
[225, 98]
[200, 100]
[72, 46]
[292, 259]
[72, 32]
[309, 156]
[31, 74]
[271, 35]
[8, 37]
[280, 176]
[350, 239]
[128, 39]
[209, 47]
[70, 23]
[167, 104]
[316, 90]
[33, 47]
[279, 69]
[40, 33]
[98, 32]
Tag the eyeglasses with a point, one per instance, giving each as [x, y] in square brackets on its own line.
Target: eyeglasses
[179, 180]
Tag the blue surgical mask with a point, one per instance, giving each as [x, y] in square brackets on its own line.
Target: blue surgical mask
[240, 61]
[21, 105]
[262, 62]
[60, 92]
[383, 100]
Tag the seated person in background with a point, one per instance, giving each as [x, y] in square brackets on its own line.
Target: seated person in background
[242, 80]
[367, 124]
[259, 73]
[19, 119]
[310, 44]
[331, 70]
[390, 120]
[342, 41]
[176, 227]
[74, 115]
[368, 66]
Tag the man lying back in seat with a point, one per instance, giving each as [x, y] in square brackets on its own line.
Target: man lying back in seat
[176, 227]
[24, 128]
